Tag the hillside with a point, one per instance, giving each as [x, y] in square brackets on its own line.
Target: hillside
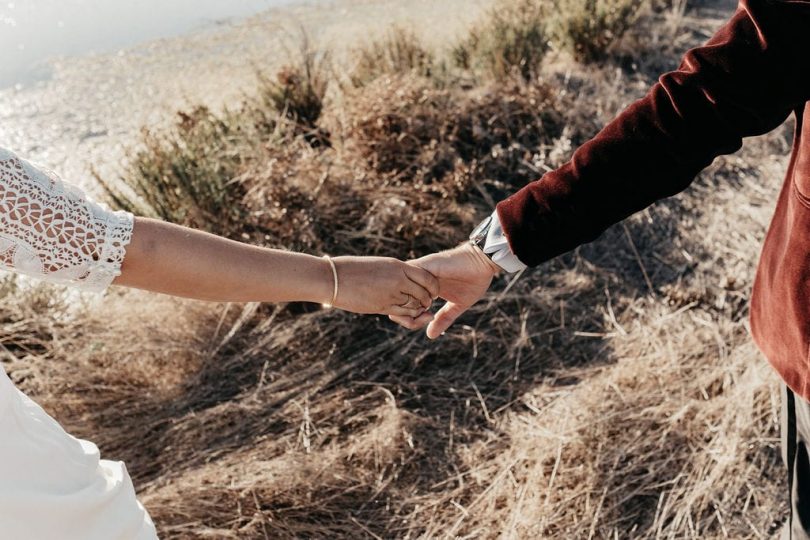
[613, 392]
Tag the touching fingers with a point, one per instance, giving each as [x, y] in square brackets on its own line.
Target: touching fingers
[424, 279]
[412, 323]
[418, 293]
[411, 312]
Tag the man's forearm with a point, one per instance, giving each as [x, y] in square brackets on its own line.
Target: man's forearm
[745, 81]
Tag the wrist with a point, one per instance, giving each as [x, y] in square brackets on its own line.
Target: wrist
[319, 287]
[481, 258]
[333, 272]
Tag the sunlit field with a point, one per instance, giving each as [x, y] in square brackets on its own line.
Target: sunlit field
[613, 392]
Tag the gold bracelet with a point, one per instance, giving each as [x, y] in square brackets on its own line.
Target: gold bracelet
[335, 277]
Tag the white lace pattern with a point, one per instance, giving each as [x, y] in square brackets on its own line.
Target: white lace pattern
[51, 230]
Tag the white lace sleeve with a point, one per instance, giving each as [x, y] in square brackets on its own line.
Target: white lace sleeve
[51, 230]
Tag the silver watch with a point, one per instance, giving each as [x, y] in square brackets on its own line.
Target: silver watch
[479, 235]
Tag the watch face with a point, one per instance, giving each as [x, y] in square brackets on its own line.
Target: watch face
[480, 232]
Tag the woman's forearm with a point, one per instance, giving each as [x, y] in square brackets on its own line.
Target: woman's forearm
[176, 260]
[167, 258]
[66, 237]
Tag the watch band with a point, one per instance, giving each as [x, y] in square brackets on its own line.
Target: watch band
[478, 237]
[490, 238]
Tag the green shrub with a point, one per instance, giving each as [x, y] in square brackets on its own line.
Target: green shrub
[588, 28]
[511, 39]
[193, 173]
[399, 52]
[190, 174]
[515, 35]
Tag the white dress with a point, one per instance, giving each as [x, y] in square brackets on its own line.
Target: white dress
[52, 485]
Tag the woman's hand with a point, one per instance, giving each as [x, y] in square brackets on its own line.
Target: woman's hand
[384, 286]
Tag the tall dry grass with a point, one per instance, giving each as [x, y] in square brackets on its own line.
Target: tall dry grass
[399, 51]
[612, 392]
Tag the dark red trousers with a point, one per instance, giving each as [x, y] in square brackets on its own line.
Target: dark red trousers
[796, 453]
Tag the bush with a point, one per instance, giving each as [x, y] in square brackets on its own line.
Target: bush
[300, 87]
[588, 28]
[189, 174]
[399, 52]
[194, 172]
[410, 132]
[512, 38]
[515, 36]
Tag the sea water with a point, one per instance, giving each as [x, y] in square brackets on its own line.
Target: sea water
[33, 32]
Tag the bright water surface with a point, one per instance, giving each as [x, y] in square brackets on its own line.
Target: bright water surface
[34, 31]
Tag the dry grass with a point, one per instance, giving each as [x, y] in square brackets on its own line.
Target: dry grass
[512, 38]
[300, 88]
[613, 392]
[516, 35]
[588, 28]
[400, 51]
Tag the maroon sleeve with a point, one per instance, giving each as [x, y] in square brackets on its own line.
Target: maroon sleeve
[744, 81]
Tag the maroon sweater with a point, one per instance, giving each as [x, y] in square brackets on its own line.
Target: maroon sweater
[744, 81]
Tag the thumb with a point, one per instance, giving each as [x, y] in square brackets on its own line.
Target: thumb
[444, 318]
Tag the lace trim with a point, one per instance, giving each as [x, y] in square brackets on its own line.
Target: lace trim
[51, 230]
[113, 251]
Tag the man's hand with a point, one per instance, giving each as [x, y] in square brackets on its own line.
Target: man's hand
[464, 275]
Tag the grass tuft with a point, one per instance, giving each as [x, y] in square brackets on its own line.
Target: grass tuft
[512, 39]
[299, 88]
[589, 28]
[400, 52]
